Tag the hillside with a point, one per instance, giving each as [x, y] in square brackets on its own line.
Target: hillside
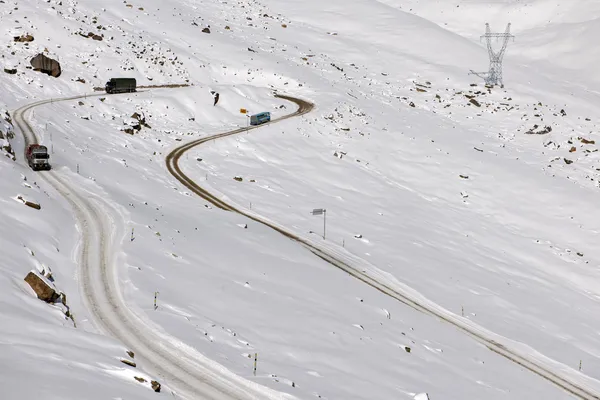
[478, 208]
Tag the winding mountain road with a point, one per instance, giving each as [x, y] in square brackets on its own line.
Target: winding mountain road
[180, 366]
[193, 375]
[562, 376]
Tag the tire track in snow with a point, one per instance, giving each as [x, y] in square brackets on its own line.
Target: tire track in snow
[564, 377]
[181, 366]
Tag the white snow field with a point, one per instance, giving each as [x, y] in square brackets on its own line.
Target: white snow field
[473, 208]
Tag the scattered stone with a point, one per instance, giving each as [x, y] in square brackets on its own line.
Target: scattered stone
[572, 149]
[411, 104]
[130, 353]
[127, 362]
[407, 349]
[206, 30]
[464, 176]
[29, 203]
[585, 141]
[567, 161]
[545, 130]
[139, 379]
[155, 386]
[23, 38]
[563, 113]
[10, 71]
[238, 178]
[42, 287]
[475, 102]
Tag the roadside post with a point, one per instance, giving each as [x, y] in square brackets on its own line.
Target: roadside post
[321, 211]
[245, 112]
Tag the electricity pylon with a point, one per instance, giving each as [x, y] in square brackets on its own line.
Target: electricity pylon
[494, 75]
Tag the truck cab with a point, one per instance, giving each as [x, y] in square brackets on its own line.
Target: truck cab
[37, 157]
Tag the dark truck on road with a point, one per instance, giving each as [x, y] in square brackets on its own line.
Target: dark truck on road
[37, 157]
[120, 85]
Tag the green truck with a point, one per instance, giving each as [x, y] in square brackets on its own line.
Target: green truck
[120, 85]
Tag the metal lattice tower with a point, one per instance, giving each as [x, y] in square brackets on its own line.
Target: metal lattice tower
[494, 75]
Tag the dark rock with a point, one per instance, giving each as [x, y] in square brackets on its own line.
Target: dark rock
[23, 38]
[46, 65]
[475, 102]
[155, 386]
[41, 287]
[127, 362]
[11, 71]
[206, 30]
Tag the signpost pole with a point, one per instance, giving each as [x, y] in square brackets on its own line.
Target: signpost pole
[324, 222]
[319, 211]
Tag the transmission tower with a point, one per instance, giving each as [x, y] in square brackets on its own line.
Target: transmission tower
[494, 75]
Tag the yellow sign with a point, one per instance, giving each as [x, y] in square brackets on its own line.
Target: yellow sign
[243, 110]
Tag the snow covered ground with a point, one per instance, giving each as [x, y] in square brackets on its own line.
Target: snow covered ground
[454, 200]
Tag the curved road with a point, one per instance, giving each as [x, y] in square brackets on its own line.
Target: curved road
[182, 367]
[560, 375]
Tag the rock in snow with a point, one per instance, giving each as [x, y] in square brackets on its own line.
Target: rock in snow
[42, 287]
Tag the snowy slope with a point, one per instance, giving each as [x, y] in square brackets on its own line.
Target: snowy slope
[453, 200]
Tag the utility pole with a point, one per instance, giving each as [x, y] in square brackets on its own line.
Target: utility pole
[494, 75]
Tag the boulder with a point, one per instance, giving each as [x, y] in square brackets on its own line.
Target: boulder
[95, 36]
[206, 30]
[46, 65]
[23, 38]
[41, 287]
[155, 386]
[475, 102]
[127, 362]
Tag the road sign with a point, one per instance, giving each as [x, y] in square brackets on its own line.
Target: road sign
[318, 211]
